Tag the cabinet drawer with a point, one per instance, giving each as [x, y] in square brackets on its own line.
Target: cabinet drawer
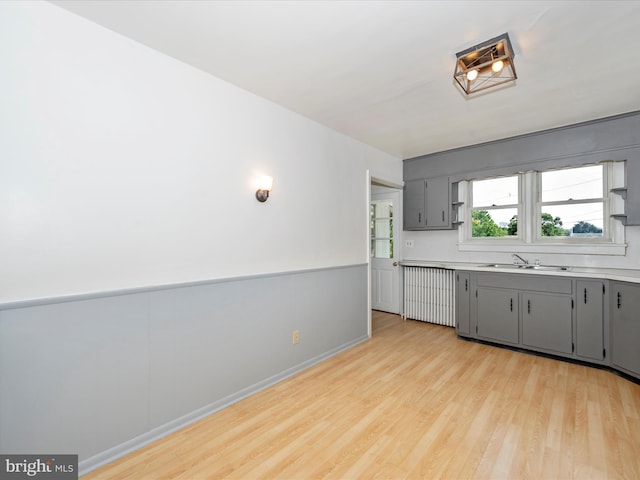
[535, 283]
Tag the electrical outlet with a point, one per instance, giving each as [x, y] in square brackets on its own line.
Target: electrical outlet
[408, 243]
[295, 337]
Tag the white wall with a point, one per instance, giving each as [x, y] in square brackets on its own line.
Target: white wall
[441, 246]
[121, 167]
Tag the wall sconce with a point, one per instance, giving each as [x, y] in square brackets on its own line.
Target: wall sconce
[485, 65]
[265, 184]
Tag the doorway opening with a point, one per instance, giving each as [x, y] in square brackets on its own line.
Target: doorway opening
[385, 232]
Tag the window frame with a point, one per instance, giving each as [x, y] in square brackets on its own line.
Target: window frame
[374, 238]
[529, 240]
[518, 206]
[539, 204]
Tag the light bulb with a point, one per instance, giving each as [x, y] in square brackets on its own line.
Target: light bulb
[497, 66]
[472, 75]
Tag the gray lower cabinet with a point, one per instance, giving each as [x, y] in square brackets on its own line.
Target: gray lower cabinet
[590, 319]
[625, 327]
[497, 314]
[596, 321]
[534, 312]
[463, 307]
[546, 322]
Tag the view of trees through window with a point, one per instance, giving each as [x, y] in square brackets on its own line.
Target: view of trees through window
[570, 201]
[495, 207]
[485, 226]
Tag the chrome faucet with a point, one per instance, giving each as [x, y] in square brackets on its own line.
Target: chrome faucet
[517, 257]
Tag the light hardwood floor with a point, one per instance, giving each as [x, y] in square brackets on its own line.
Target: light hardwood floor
[412, 402]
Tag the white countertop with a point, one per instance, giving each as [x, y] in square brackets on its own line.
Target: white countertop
[623, 275]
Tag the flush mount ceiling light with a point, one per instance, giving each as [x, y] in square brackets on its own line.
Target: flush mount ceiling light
[485, 65]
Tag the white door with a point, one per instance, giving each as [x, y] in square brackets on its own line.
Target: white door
[385, 274]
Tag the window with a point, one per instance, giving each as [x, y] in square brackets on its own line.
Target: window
[571, 203]
[381, 225]
[565, 210]
[495, 205]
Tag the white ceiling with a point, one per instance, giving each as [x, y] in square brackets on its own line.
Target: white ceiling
[382, 71]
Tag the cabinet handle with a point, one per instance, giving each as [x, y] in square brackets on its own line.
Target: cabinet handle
[585, 295]
[443, 215]
[619, 300]
[511, 304]
[466, 285]
[528, 306]
[419, 217]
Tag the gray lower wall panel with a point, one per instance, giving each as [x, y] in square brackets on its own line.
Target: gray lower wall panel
[73, 376]
[101, 376]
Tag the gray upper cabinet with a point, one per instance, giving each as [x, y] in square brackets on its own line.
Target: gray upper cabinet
[625, 327]
[632, 194]
[427, 204]
[590, 319]
[438, 203]
[414, 205]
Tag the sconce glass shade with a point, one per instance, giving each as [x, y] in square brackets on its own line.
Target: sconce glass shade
[492, 62]
[265, 185]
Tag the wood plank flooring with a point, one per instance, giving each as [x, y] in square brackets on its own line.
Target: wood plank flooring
[413, 402]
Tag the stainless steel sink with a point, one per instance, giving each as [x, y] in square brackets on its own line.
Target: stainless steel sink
[502, 265]
[555, 268]
[512, 266]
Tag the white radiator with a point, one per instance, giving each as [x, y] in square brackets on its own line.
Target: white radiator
[429, 295]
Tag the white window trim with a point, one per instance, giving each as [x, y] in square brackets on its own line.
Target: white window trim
[528, 240]
[519, 208]
[607, 237]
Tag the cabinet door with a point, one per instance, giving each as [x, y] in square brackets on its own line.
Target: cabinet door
[414, 205]
[497, 314]
[438, 203]
[546, 321]
[625, 305]
[463, 312]
[590, 319]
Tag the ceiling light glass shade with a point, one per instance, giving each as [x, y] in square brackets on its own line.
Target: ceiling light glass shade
[491, 60]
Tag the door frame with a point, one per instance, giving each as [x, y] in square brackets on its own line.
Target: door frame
[371, 180]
